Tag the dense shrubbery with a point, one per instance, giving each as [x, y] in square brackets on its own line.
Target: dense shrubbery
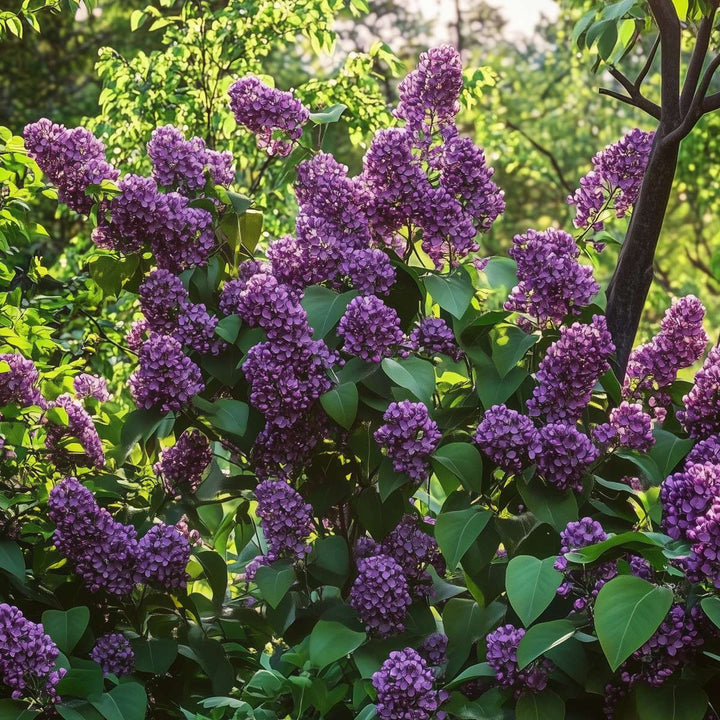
[370, 472]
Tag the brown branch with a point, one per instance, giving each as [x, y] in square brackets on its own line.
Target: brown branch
[669, 26]
[648, 63]
[649, 107]
[697, 60]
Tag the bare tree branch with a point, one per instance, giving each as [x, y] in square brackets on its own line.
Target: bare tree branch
[669, 25]
[648, 63]
[642, 103]
[697, 61]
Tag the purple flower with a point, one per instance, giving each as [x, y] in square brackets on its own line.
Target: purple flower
[380, 595]
[552, 283]
[19, 382]
[93, 386]
[629, 427]
[432, 336]
[371, 330]
[433, 648]
[368, 270]
[114, 654]
[706, 451]
[502, 645]
[275, 117]
[570, 369]
[686, 496]
[165, 378]
[577, 534]
[405, 687]
[27, 657]
[162, 556]
[566, 455]
[409, 436]
[81, 427]
[161, 294]
[701, 416]
[508, 438]
[181, 466]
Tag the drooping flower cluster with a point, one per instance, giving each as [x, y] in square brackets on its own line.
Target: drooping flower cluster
[566, 455]
[502, 645]
[182, 465]
[629, 427]
[162, 556]
[405, 687]
[508, 438]
[686, 496]
[91, 386]
[380, 595]
[432, 336]
[18, 383]
[80, 427]
[72, 159]
[570, 369]
[286, 520]
[434, 648]
[166, 377]
[181, 163]
[275, 117]
[27, 657]
[701, 416]
[615, 180]
[552, 283]
[409, 436]
[370, 329]
[706, 451]
[114, 654]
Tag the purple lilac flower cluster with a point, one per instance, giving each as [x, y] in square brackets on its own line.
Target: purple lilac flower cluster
[72, 159]
[405, 687]
[27, 657]
[432, 336]
[701, 416]
[616, 177]
[79, 426]
[370, 329]
[181, 163]
[552, 283]
[686, 496]
[570, 369]
[434, 648]
[286, 520]
[566, 455]
[629, 427]
[275, 117]
[19, 381]
[706, 451]
[166, 377]
[380, 595]
[114, 654]
[162, 556]
[91, 386]
[181, 466]
[502, 645]
[409, 436]
[508, 438]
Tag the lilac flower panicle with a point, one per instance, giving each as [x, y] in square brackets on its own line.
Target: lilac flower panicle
[432, 336]
[166, 378]
[552, 283]
[617, 172]
[508, 438]
[27, 657]
[275, 117]
[81, 427]
[640, 567]
[686, 496]
[18, 384]
[181, 466]
[405, 687]
[137, 335]
[380, 595]
[566, 455]
[629, 427]
[369, 271]
[370, 329]
[163, 554]
[502, 645]
[706, 451]
[434, 648]
[578, 534]
[570, 369]
[114, 654]
[91, 386]
[701, 416]
[161, 294]
[409, 436]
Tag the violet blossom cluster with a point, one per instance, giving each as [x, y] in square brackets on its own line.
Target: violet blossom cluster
[162, 556]
[181, 466]
[629, 427]
[182, 163]
[686, 496]
[706, 451]
[286, 521]
[275, 117]
[165, 378]
[508, 438]
[409, 436]
[406, 687]
[90, 386]
[380, 595]
[114, 654]
[552, 283]
[502, 646]
[570, 369]
[73, 160]
[80, 426]
[432, 336]
[701, 416]
[370, 329]
[434, 648]
[27, 657]
[566, 455]
[19, 382]
[615, 180]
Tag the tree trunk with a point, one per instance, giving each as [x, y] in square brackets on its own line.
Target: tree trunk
[633, 275]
